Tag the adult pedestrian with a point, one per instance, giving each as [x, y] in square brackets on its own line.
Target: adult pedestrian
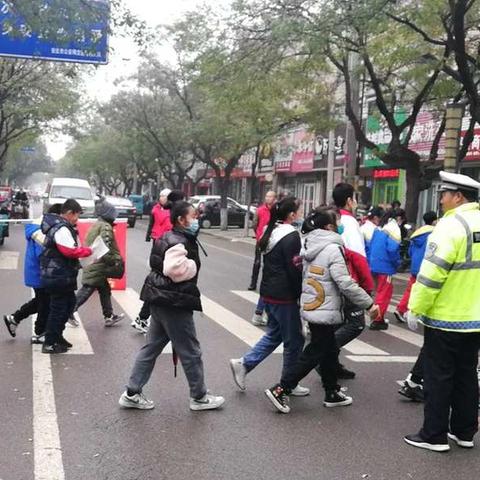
[59, 266]
[416, 252]
[40, 303]
[164, 225]
[445, 299]
[172, 293]
[384, 262]
[111, 265]
[280, 289]
[325, 279]
[262, 218]
[159, 218]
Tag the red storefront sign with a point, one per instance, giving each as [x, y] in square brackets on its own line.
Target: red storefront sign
[384, 174]
[304, 151]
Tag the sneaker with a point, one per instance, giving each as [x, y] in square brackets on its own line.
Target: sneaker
[140, 324]
[38, 339]
[344, 374]
[64, 341]
[417, 441]
[259, 320]
[207, 402]
[239, 372]
[400, 317]
[113, 320]
[460, 442]
[73, 322]
[139, 401]
[279, 398]
[11, 325]
[300, 391]
[336, 398]
[252, 288]
[54, 349]
[379, 326]
[412, 392]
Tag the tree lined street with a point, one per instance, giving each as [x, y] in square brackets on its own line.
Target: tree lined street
[248, 438]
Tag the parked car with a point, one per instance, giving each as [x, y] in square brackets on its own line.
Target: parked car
[62, 189]
[125, 209]
[198, 202]
[209, 214]
[138, 202]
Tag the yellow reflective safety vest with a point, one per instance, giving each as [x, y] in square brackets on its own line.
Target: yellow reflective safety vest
[447, 292]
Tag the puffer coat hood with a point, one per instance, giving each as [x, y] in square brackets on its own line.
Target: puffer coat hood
[326, 280]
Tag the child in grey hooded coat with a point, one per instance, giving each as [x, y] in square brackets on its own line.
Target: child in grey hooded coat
[326, 280]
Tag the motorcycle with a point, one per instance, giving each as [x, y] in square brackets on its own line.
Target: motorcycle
[20, 209]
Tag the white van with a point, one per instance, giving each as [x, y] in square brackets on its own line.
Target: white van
[61, 189]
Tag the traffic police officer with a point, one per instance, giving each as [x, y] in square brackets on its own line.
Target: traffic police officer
[446, 299]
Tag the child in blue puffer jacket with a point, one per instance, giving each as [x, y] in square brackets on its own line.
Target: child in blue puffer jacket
[416, 251]
[384, 261]
[40, 303]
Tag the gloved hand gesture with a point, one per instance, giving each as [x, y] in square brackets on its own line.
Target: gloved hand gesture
[412, 320]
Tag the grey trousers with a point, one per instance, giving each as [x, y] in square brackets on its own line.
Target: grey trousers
[175, 325]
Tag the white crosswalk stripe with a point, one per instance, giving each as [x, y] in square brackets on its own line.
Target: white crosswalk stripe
[129, 301]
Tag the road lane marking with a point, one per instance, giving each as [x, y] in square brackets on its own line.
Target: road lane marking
[9, 260]
[79, 338]
[237, 326]
[356, 347]
[382, 359]
[129, 301]
[405, 335]
[47, 450]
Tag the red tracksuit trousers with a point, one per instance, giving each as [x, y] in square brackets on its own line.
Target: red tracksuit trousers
[403, 305]
[384, 294]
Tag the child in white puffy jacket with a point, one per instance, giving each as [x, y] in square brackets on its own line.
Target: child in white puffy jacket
[326, 280]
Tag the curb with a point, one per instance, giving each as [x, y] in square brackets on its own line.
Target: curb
[226, 238]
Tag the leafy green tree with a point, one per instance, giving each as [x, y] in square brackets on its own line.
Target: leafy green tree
[384, 52]
[26, 158]
[31, 95]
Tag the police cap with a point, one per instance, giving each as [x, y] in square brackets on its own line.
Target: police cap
[458, 182]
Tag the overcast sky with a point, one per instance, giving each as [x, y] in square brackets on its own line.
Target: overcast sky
[123, 59]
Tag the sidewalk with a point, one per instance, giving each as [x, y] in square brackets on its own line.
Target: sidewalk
[233, 235]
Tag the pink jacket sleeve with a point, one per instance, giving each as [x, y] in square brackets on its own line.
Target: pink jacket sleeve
[177, 266]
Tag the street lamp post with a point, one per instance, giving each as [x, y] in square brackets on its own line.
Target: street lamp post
[453, 128]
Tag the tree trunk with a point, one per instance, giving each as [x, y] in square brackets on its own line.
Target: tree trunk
[224, 183]
[413, 192]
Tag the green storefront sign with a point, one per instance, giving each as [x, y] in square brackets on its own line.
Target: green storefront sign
[379, 133]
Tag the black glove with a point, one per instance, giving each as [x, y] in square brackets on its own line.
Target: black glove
[148, 238]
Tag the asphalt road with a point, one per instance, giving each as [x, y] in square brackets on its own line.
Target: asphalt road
[83, 434]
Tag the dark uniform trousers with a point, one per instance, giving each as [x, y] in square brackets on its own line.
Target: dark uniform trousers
[450, 384]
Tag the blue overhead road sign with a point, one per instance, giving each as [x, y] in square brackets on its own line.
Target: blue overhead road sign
[20, 42]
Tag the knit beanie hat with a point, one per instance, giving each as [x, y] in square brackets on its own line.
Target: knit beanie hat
[106, 211]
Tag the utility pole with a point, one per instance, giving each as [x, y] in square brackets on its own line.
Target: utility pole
[330, 165]
[349, 170]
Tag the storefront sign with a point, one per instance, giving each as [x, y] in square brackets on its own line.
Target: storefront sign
[381, 174]
[304, 151]
[284, 152]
